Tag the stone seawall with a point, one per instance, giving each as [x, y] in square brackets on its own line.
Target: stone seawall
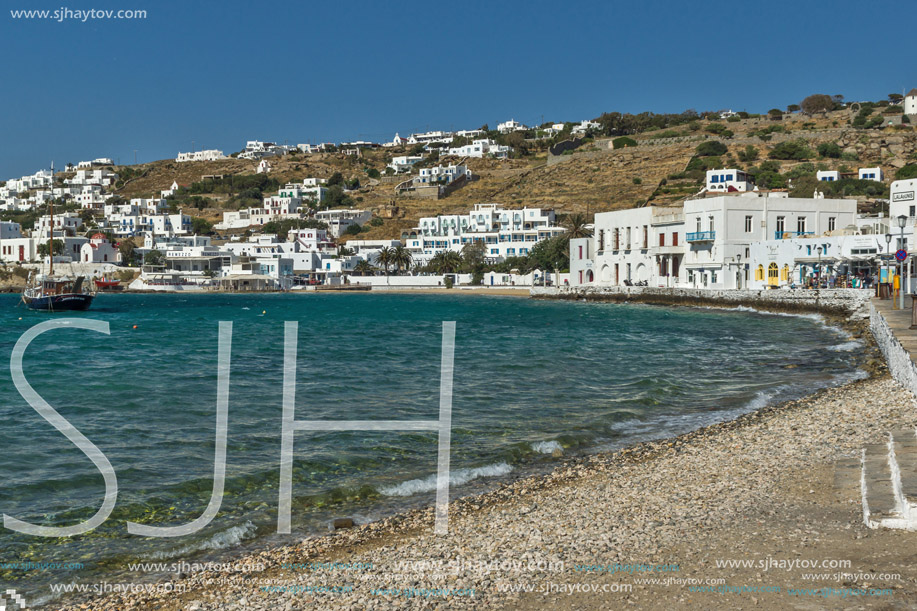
[900, 364]
[850, 303]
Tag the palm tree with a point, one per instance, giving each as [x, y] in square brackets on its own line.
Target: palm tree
[448, 262]
[384, 258]
[577, 227]
[401, 258]
[364, 267]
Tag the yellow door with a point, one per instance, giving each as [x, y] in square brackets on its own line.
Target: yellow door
[773, 275]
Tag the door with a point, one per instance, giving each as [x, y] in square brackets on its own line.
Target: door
[773, 275]
[22, 253]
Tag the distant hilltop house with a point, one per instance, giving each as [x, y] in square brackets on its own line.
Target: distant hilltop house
[436, 137]
[99, 176]
[263, 167]
[396, 141]
[100, 161]
[404, 163]
[584, 126]
[726, 114]
[208, 155]
[311, 149]
[441, 175]
[874, 174]
[170, 191]
[255, 149]
[910, 102]
[508, 127]
[339, 220]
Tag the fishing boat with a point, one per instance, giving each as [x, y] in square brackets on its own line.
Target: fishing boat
[50, 293]
[107, 284]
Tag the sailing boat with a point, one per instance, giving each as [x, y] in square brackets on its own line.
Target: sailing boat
[51, 293]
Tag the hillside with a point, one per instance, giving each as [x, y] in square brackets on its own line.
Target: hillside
[591, 179]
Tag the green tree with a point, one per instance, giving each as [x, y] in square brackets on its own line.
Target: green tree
[791, 150]
[906, 172]
[710, 148]
[154, 257]
[58, 248]
[830, 150]
[364, 267]
[126, 248]
[792, 108]
[401, 258]
[818, 102]
[201, 226]
[384, 258]
[577, 226]
[336, 179]
[750, 153]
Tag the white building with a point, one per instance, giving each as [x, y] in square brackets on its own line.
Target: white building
[441, 175]
[910, 102]
[312, 149]
[339, 220]
[208, 155]
[510, 126]
[728, 180]
[99, 250]
[65, 223]
[902, 200]
[435, 137]
[98, 176]
[828, 175]
[504, 233]
[631, 246]
[263, 167]
[720, 230]
[403, 163]
[584, 126]
[794, 261]
[481, 148]
[870, 174]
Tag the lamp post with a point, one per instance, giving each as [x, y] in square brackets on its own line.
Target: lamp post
[739, 276]
[902, 221]
[888, 250]
[818, 273]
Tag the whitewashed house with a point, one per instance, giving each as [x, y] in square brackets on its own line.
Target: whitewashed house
[208, 155]
[903, 200]
[870, 174]
[263, 167]
[728, 181]
[441, 175]
[584, 126]
[507, 127]
[828, 175]
[481, 148]
[404, 163]
[339, 220]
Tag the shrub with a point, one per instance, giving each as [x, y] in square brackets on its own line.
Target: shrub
[710, 149]
[908, 171]
[829, 149]
[734, 119]
[791, 150]
[719, 129]
[818, 102]
[749, 154]
[638, 181]
[376, 221]
[622, 142]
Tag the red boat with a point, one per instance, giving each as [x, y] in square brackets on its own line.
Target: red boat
[107, 284]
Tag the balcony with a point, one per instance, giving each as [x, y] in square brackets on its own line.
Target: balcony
[781, 235]
[701, 236]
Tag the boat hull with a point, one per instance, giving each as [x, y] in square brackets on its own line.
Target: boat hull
[68, 302]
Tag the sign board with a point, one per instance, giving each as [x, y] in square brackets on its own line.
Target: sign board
[903, 196]
[901, 255]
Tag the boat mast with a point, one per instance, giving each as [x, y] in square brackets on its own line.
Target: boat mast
[51, 240]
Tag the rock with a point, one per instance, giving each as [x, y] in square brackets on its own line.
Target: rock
[342, 523]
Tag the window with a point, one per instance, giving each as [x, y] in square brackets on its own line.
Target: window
[698, 224]
[831, 223]
[710, 223]
[715, 178]
[785, 273]
[662, 238]
[781, 224]
[801, 224]
[580, 252]
[601, 239]
[746, 253]
[712, 277]
[759, 273]
[748, 224]
[674, 238]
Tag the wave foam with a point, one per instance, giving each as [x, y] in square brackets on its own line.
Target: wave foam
[227, 538]
[546, 447]
[456, 478]
[846, 346]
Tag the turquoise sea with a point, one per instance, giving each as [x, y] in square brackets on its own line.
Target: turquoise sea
[530, 377]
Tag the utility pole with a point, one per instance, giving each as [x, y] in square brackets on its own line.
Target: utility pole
[135, 156]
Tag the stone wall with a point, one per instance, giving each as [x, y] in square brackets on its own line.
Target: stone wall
[852, 303]
[900, 365]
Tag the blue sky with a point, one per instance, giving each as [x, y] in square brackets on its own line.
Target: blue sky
[221, 73]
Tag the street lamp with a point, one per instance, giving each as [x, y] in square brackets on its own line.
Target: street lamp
[818, 273]
[902, 221]
[739, 277]
[888, 250]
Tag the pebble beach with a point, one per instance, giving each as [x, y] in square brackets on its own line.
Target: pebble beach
[757, 490]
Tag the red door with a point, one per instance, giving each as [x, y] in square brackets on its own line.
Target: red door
[22, 253]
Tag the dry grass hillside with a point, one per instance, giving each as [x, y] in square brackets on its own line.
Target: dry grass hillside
[593, 178]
